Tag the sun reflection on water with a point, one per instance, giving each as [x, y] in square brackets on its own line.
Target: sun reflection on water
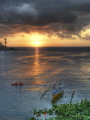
[38, 82]
[36, 68]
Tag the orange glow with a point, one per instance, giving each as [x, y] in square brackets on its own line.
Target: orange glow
[36, 39]
[40, 40]
[36, 42]
[85, 33]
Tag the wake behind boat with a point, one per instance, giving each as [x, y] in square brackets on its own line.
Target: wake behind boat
[20, 83]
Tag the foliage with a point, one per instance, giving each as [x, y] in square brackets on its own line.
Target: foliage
[72, 111]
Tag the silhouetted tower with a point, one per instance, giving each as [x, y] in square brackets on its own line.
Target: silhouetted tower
[5, 41]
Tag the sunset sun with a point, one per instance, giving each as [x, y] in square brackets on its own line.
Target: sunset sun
[36, 43]
[36, 39]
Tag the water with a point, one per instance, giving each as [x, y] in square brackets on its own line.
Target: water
[39, 69]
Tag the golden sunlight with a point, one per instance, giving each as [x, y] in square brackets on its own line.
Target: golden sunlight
[85, 32]
[36, 39]
[36, 42]
[40, 40]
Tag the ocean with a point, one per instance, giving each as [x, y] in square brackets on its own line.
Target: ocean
[39, 69]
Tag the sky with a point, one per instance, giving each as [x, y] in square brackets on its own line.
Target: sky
[45, 23]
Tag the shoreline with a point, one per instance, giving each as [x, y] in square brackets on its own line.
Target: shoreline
[11, 48]
[78, 111]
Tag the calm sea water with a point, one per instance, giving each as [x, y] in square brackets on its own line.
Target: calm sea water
[39, 69]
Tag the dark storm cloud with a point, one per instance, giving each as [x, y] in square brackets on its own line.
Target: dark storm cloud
[38, 13]
[59, 17]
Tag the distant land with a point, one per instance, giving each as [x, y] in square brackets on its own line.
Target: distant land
[9, 48]
[5, 48]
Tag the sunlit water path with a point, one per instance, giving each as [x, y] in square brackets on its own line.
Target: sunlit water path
[39, 69]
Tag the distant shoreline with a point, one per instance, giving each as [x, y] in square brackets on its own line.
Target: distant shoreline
[71, 49]
[11, 48]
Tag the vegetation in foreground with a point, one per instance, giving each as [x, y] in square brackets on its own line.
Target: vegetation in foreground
[72, 111]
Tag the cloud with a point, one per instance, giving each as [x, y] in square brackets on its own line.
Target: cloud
[22, 9]
[5, 31]
[52, 17]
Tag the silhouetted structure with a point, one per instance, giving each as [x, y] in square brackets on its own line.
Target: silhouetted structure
[5, 41]
[5, 48]
[1, 46]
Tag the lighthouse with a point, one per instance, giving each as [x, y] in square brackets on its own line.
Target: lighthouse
[5, 42]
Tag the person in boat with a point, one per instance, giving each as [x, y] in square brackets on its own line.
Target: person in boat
[54, 86]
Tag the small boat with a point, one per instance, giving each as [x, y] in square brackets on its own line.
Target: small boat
[57, 93]
[18, 83]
